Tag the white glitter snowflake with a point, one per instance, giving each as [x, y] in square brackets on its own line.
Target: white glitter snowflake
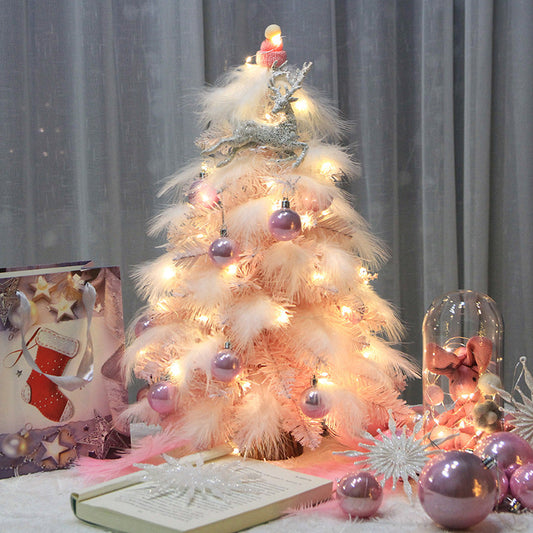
[182, 478]
[522, 412]
[398, 455]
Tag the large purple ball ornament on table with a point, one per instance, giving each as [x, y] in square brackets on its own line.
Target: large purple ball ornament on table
[457, 490]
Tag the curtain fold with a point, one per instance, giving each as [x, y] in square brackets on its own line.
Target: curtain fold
[97, 106]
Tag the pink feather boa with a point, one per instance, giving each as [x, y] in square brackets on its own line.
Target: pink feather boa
[148, 450]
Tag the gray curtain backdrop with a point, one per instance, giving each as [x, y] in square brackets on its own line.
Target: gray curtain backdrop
[97, 106]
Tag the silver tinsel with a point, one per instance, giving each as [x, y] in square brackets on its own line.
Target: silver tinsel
[183, 478]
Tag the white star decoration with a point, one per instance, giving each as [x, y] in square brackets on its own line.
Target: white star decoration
[396, 456]
[63, 308]
[522, 413]
[53, 449]
[42, 289]
[188, 479]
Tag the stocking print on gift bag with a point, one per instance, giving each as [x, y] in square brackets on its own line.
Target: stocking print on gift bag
[54, 351]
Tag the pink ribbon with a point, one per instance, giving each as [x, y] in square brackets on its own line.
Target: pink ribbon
[462, 366]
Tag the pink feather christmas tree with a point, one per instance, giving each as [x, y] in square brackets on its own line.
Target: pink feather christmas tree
[261, 325]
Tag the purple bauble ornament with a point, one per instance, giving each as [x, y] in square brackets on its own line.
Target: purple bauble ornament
[311, 203]
[509, 449]
[143, 323]
[521, 485]
[224, 251]
[285, 224]
[225, 366]
[503, 484]
[359, 494]
[456, 489]
[314, 402]
[161, 397]
[202, 194]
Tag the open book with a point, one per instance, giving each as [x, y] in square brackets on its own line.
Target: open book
[135, 504]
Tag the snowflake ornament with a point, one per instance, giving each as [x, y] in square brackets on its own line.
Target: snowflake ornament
[188, 479]
[398, 455]
[522, 413]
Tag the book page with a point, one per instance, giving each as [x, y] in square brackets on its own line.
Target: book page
[269, 484]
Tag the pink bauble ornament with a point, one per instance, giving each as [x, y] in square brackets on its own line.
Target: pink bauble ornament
[456, 490]
[311, 203]
[434, 395]
[509, 449]
[226, 365]
[223, 251]
[161, 397]
[285, 224]
[521, 485]
[142, 324]
[314, 402]
[359, 494]
[202, 194]
[503, 484]
[14, 445]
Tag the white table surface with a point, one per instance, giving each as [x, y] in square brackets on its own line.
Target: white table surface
[40, 503]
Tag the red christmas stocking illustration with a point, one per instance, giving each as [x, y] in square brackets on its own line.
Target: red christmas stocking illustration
[54, 351]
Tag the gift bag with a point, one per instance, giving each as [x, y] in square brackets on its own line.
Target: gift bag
[61, 344]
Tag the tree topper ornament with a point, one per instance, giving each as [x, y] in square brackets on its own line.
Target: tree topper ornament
[282, 136]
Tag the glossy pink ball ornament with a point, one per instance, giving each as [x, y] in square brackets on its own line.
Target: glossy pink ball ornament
[521, 485]
[223, 251]
[285, 224]
[226, 365]
[311, 203]
[434, 395]
[314, 402]
[509, 449]
[143, 323]
[161, 397]
[359, 494]
[456, 490]
[503, 484]
[202, 194]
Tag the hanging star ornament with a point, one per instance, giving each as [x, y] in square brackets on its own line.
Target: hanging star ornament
[522, 413]
[8, 297]
[398, 456]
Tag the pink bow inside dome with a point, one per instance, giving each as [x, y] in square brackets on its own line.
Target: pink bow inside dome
[463, 366]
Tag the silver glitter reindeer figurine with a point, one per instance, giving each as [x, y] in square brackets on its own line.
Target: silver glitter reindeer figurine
[281, 136]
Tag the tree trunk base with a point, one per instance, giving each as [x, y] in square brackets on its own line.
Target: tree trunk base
[285, 448]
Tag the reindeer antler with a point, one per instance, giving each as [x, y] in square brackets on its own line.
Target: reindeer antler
[294, 81]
